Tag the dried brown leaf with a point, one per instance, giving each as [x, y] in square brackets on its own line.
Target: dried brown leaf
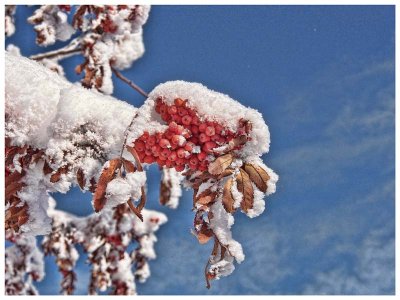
[12, 188]
[136, 157]
[220, 164]
[204, 235]
[80, 178]
[227, 198]
[165, 192]
[108, 174]
[14, 177]
[46, 168]
[57, 175]
[237, 142]
[206, 197]
[258, 175]
[128, 166]
[246, 189]
[10, 155]
[135, 210]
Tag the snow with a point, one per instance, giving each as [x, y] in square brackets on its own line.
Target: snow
[221, 223]
[121, 190]
[30, 108]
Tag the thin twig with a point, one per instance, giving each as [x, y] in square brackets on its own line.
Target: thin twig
[129, 82]
[60, 52]
[126, 134]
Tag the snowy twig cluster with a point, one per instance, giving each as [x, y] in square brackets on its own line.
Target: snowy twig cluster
[105, 238]
[59, 135]
[23, 265]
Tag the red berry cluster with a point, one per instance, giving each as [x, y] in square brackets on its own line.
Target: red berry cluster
[187, 142]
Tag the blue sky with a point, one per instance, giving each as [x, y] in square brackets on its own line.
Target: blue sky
[323, 78]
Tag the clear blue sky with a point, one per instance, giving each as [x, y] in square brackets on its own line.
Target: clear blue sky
[323, 78]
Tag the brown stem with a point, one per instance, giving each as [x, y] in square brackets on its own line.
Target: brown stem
[129, 82]
[126, 135]
[56, 53]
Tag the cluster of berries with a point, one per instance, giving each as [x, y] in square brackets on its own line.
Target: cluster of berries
[188, 140]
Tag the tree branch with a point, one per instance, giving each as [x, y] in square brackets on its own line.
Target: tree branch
[60, 52]
[129, 82]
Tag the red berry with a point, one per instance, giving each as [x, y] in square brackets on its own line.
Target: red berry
[165, 153]
[181, 153]
[139, 146]
[159, 136]
[173, 126]
[194, 140]
[218, 128]
[144, 136]
[179, 102]
[182, 111]
[151, 141]
[186, 120]
[177, 139]
[207, 147]
[189, 146]
[210, 131]
[180, 161]
[160, 162]
[179, 129]
[195, 120]
[148, 159]
[163, 109]
[201, 156]
[168, 134]
[166, 117]
[164, 143]
[186, 133]
[148, 152]
[202, 127]
[176, 118]
[202, 168]
[169, 163]
[172, 156]
[156, 150]
[179, 168]
[193, 161]
[172, 110]
[203, 138]
[194, 129]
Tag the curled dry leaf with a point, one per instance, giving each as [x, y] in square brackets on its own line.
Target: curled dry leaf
[46, 168]
[258, 175]
[204, 235]
[108, 174]
[227, 198]
[220, 164]
[14, 177]
[206, 197]
[246, 189]
[13, 188]
[57, 175]
[128, 166]
[80, 177]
